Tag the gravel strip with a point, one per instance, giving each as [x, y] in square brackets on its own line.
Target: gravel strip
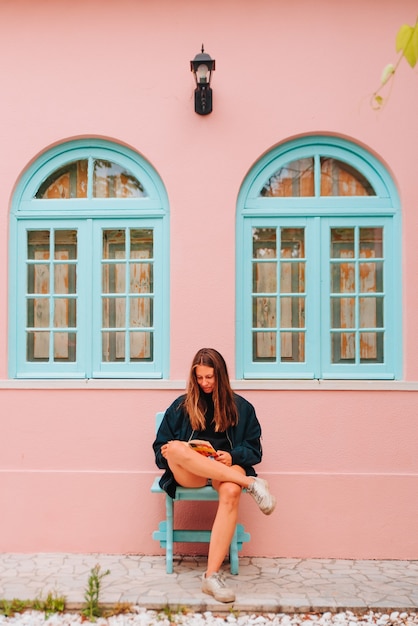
[142, 617]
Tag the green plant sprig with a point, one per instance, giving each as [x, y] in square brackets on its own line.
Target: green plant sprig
[92, 609]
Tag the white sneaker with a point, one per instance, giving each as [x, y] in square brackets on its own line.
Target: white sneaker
[259, 490]
[215, 586]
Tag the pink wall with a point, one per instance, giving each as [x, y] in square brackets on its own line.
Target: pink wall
[76, 464]
[80, 481]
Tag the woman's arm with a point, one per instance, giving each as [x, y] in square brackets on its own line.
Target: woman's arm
[170, 429]
[246, 450]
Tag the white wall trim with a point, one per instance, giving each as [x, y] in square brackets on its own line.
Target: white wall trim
[243, 385]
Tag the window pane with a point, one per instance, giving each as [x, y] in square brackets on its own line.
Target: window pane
[341, 179]
[114, 244]
[293, 179]
[141, 348]
[292, 243]
[371, 242]
[142, 243]
[264, 243]
[65, 244]
[38, 310]
[292, 312]
[140, 312]
[264, 277]
[113, 181]
[64, 347]
[362, 275]
[113, 278]
[127, 270]
[371, 347]
[343, 347]
[69, 181]
[343, 278]
[113, 346]
[264, 346]
[38, 244]
[342, 243]
[343, 313]
[49, 277]
[37, 346]
[114, 313]
[292, 347]
[371, 312]
[264, 313]
[38, 278]
[65, 313]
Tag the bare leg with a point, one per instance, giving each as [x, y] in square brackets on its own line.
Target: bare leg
[191, 469]
[225, 521]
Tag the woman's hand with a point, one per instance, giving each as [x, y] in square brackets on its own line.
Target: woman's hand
[224, 457]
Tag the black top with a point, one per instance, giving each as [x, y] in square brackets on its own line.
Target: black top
[219, 440]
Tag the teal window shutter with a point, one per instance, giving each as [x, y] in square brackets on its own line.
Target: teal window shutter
[89, 266]
[318, 252]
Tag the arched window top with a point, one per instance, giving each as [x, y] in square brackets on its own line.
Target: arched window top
[96, 177]
[317, 168]
[298, 179]
[92, 176]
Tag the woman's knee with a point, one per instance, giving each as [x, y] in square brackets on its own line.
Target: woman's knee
[229, 492]
[176, 450]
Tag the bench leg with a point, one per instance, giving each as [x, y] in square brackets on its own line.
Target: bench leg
[233, 553]
[170, 534]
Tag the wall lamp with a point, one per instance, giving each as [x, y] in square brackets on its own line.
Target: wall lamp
[202, 67]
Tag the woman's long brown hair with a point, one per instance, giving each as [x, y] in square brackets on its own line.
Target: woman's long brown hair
[225, 411]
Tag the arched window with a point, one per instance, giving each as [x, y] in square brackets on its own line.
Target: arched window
[89, 271]
[318, 289]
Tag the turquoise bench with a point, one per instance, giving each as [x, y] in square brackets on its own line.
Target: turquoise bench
[167, 535]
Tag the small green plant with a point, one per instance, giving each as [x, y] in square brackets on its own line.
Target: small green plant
[170, 612]
[52, 604]
[10, 607]
[92, 593]
[234, 612]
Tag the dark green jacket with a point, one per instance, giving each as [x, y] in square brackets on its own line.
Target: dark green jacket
[244, 438]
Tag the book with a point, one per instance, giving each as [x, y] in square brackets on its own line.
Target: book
[203, 447]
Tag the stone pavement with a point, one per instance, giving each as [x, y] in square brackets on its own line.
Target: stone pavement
[263, 584]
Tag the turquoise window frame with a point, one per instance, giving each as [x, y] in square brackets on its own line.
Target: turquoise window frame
[89, 216]
[317, 215]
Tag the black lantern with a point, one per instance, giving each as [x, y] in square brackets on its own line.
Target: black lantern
[202, 67]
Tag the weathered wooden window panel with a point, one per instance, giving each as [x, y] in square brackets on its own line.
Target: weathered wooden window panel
[69, 181]
[51, 276]
[295, 179]
[341, 179]
[127, 276]
[108, 180]
[266, 269]
[357, 277]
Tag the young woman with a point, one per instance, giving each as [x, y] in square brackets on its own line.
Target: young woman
[212, 412]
